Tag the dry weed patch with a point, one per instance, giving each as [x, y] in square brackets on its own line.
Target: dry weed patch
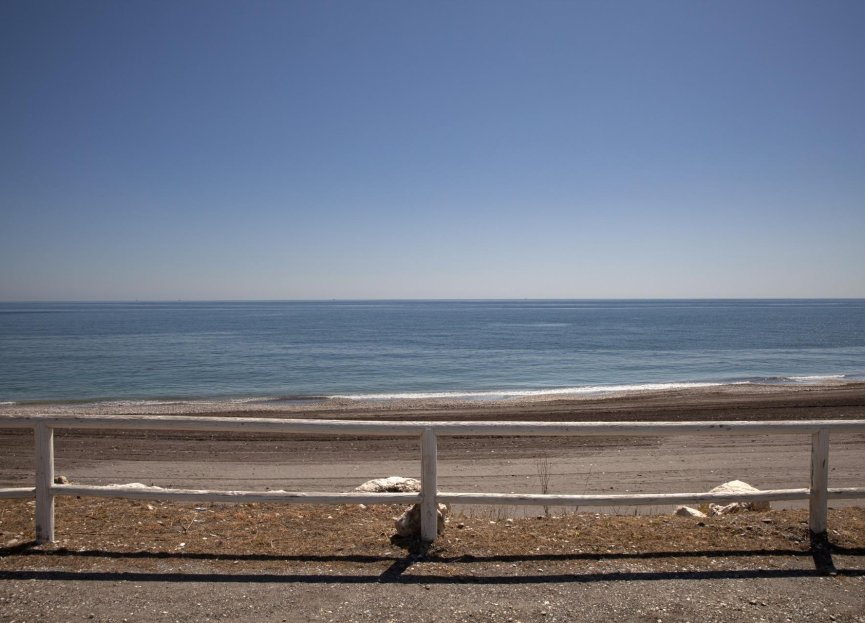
[97, 533]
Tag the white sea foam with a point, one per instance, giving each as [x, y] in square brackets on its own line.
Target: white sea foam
[187, 401]
[141, 403]
[817, 378]
[530, 393]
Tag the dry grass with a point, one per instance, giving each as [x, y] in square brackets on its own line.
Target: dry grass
[114, 533]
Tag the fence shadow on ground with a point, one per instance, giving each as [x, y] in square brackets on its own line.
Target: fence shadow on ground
[399, 569]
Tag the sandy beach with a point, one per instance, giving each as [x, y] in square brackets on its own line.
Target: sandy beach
[577, 465]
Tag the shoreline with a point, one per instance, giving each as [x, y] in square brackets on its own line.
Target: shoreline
[736, 396]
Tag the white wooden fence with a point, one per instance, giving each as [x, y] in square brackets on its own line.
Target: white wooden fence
[44, 491]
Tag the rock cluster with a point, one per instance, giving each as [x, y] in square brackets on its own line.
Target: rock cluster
[734, 486]
[391, 484]
[407, 524]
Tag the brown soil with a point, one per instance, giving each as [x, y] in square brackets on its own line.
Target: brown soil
[120, 560]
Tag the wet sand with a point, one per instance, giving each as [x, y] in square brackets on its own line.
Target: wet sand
[577, 465]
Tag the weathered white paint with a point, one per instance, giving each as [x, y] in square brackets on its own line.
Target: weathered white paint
[637, 429]
[205, 495]
[846, 493]
[634, 499]
[44, 482]
[45, 489]
[429, 486]
[414, 429]
[819, 499]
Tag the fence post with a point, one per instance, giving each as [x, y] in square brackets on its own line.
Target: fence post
[819, 500]
[44, 482]
[429, 486]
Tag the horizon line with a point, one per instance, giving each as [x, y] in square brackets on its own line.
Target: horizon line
[421, 299]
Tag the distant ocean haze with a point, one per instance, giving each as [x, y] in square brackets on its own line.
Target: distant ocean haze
[392, 349]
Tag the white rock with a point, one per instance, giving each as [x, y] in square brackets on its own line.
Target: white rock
[736, 486]
[734, 507]
[408, 524]
[391, 484]
[687, 511]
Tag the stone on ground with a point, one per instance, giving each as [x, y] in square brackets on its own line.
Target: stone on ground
[391, 484]
[408, 524]
[687, 511]
[736, 486]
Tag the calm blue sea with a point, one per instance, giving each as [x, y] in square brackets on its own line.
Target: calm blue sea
[298, 350]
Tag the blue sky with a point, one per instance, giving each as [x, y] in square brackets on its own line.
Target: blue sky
[298, 150]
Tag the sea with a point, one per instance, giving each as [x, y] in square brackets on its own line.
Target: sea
[274, 351]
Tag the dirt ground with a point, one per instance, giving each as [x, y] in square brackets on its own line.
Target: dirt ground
[120, 560]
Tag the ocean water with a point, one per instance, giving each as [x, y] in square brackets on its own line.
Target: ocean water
[389, 349]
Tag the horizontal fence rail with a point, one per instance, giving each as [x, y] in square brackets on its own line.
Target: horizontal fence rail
[45, 490]
[415, 429]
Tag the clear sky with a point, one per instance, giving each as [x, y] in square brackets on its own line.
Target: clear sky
[306, 150]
